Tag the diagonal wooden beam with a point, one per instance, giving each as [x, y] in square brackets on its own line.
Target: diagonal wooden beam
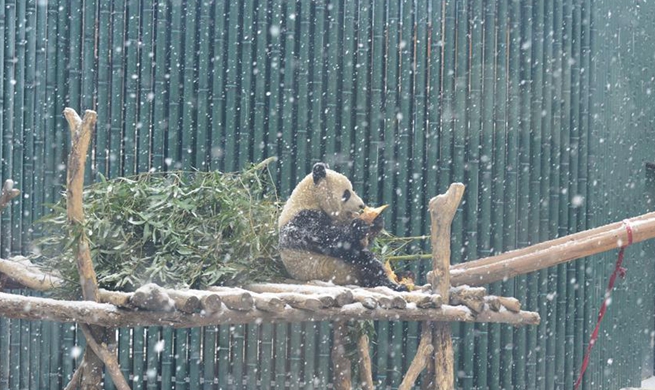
[553, 252]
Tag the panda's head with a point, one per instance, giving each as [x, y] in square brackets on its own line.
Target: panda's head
[334, 193]
[326, 190]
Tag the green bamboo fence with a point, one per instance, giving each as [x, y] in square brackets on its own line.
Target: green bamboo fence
[544, 109]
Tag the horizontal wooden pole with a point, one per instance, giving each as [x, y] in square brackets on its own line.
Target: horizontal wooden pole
[552, 253]
[568, 239]
[35, 308]
[22, 271]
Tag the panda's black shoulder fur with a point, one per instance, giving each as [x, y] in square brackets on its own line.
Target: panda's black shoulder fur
[314, 230]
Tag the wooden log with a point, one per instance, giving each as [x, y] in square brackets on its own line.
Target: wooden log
[6, 283]
[342, 296]
[421, 359]
[442, 211]
[505, 316]
[234, 299]
[428, 381]
[511, 304]
[381, 301]
[152, 297]
[474, 305]
[211, 303]
[302, 301]
[569, 239]
[444, 360]
[116, 298]
[397, 299]
[320, 290]
[552, 253]
[385, 301]
[77, 375]
[20, 270]
[8, 193]
[81, 130]
[268, 302]
[327, 300]
[184, 300]
[36, 308]
[468, 292]
[340, 362]
[492, 302]
[365, 366]
[496, 303]
[471, 297]
[423, 301]
[367, 302]
[107, 357]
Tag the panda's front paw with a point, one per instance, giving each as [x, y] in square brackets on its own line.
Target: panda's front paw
[359, 229]
[376, 227]
[400, 288]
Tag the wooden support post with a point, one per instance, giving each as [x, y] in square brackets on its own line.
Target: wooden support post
[81, 131]
[365, 365]
[340, 362]
[422, 358]
[75, 379]
[108, 357]
[442, 212]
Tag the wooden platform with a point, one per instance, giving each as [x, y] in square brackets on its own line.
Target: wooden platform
[153, 305]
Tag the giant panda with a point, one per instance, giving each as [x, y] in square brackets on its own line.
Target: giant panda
[321, 236]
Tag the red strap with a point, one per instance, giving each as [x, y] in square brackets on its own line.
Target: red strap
[618, 270]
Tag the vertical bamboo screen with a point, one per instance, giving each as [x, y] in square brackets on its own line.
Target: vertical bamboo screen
[544, 109]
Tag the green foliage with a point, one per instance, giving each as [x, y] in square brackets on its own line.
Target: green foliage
[389, 247]
[178, 229]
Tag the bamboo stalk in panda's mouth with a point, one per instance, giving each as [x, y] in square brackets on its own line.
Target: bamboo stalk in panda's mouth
[370, 213]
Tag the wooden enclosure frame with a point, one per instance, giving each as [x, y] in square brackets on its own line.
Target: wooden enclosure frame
[435, 306]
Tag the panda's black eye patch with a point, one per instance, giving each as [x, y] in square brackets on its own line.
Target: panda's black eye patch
[346, 195]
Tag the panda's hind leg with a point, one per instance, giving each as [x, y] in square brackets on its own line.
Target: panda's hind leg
[372, 273]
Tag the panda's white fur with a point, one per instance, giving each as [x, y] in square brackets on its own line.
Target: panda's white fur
[326, 195]
[320, 234]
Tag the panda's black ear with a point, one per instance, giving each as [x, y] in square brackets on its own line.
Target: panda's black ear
[318, 172]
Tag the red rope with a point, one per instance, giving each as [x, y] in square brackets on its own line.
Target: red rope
[618, 270]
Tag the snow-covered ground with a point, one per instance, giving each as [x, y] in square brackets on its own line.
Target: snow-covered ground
[648, 383]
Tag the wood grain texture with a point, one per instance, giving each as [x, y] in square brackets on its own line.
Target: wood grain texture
[442, 211]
